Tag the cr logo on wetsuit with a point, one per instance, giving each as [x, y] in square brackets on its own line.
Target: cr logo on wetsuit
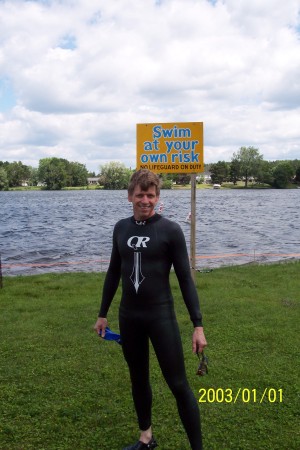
[136, 242]
[140, 241]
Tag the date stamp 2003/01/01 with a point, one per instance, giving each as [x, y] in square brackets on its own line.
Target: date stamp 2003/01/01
[244, 395]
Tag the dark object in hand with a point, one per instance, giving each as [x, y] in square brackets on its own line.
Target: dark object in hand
[203, 366]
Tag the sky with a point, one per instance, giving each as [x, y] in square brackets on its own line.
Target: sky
[76, 76]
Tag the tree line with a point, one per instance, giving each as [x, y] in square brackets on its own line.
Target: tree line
[247, 164]
[52, 174]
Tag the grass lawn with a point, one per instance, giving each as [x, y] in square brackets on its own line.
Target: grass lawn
[61, 387]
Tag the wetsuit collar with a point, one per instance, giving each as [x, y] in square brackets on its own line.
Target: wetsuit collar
[151, 219]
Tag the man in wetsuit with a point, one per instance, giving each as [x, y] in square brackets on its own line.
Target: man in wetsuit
[145, 246]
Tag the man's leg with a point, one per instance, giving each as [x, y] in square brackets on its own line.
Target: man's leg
[167, 344]
[135, 345]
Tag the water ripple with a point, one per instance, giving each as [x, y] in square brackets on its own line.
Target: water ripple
[72, 230]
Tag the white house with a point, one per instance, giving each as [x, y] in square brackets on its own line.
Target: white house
[93, 180]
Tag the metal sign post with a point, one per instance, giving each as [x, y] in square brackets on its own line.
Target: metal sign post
[193, 226]
[1, 279]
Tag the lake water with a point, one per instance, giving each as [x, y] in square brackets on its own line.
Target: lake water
[55, 231]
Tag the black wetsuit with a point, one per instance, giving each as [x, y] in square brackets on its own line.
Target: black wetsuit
[143, 254]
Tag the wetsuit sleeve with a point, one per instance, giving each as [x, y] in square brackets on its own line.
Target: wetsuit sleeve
[112, 278]
[182, 269]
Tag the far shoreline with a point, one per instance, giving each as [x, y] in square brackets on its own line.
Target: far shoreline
[224, 186]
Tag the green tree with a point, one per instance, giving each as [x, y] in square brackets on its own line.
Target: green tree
[166, 182]
[297, 178]
[114, 175]
[34, 176]
[265, 173]
[219, 172]
[295, 163]
[283, 174]
[234, 170]
[52, 172]
[182, 178]
[77, 174]
[3, 180]
[4, 165]
[249, 159]
[17, 173]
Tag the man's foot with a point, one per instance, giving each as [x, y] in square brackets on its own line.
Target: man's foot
[142, 446]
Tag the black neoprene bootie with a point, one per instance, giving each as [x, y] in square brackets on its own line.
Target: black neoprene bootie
[142, 446]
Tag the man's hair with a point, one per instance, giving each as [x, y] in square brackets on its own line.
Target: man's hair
[145, 179]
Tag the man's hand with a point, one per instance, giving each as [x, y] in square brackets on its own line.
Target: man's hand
[100, 325]
[199, 341]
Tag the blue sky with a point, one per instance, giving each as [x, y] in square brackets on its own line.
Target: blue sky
[7, 95]
[76, 76]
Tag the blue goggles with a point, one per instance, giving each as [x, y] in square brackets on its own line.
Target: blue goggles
[111, 336]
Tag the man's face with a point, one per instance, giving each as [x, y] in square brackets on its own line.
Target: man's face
[143, 202]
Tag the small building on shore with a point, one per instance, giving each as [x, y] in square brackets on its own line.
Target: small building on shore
[93, 180]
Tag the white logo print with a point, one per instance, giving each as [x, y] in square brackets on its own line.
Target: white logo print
[136, 242]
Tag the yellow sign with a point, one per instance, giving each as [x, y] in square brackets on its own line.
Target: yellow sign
[170, 147]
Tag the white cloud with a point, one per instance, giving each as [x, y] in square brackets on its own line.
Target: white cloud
[85, 72]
